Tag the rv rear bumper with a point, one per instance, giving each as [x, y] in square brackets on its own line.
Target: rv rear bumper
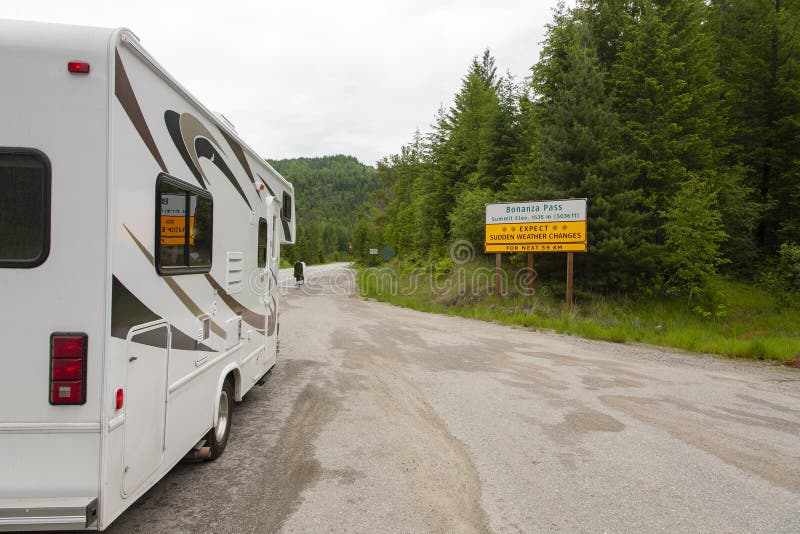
[72, 513]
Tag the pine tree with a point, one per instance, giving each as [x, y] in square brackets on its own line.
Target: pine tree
[399, 174]
[694, 235]
[667, 92]
[581, 155]
[759, 62]
[606, 20]
[314, 251]
[473, 146]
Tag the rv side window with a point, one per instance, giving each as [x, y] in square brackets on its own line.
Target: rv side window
[286, 207]
[24, 207]
[262, 242]
[180, 206]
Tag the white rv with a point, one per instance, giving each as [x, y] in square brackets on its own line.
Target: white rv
[139, 249]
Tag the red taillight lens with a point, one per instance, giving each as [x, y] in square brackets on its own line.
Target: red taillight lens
[120, 398]
[68, 368]
[78, 67]
[68, 346]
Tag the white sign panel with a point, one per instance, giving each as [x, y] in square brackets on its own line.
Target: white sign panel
[373, 251]
[573, 209]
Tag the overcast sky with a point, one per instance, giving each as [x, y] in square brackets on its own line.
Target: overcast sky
[310, 78]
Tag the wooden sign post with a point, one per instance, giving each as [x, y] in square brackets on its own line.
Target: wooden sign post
[530, 272]
[498, 283]
[570, 256]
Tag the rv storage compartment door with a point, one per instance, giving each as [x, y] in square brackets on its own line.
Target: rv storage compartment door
[145, 402]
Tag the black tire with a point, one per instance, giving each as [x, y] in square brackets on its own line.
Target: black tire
[217, 437]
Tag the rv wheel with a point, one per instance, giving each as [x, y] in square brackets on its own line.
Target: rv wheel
[217, 437]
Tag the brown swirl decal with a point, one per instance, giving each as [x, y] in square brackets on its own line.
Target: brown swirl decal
[239, 153]
[128, 311]
[194, 141]
[124, 93]
[250, 317]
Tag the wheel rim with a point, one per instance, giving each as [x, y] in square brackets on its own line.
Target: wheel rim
[222, 416]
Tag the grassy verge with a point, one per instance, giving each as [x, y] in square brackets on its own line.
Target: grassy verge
[752, 325]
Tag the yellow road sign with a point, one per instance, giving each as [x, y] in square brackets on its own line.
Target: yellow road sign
[536, 247]
[173, 230]
[532, 233]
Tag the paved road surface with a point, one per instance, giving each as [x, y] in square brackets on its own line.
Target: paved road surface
[384, 419]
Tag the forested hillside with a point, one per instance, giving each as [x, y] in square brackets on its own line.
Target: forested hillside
[327, 192]
[679, 120]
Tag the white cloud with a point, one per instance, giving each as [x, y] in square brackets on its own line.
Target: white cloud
[318, 77]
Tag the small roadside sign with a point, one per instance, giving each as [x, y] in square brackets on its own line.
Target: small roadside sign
[537, 226]
[373, 251]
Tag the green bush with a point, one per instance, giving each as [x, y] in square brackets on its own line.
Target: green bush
[782, 279]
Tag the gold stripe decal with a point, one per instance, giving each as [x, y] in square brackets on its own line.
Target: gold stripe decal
[185, 299]
[250, 317]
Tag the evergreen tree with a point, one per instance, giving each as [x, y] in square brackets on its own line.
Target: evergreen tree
[478, 145]
[667, 92]
[694, 235]
[404, 176]
[606, 20]
[473, 146]
[581, 155]
[314, 252]
[759, 61]
[469, 127]
[468, 216]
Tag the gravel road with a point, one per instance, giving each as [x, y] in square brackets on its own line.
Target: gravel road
[381, 419]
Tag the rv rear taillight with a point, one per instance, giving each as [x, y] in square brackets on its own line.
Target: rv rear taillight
[68, 368]
[66, 346]
[78, 67]
[120, 398]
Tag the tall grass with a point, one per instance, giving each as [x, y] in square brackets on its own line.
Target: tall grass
[752, 325]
